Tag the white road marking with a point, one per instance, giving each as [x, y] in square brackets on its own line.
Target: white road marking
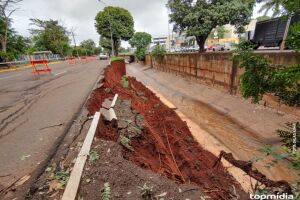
[60, 73]
[15, 75]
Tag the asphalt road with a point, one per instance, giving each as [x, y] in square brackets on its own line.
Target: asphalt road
[36, 110]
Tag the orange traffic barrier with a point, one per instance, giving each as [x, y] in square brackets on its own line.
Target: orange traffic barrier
[83, 58]
[92, 58]
[43, 63]
[71, 60]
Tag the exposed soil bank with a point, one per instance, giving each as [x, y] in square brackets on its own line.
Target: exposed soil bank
[236, 125]
[166, 145]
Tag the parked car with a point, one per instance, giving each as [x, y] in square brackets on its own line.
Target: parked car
[228, 46]
[103, 56]
[217, 47]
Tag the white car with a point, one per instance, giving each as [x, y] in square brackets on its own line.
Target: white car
[103, 56]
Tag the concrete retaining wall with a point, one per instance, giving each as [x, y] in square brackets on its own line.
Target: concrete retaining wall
[217, 69]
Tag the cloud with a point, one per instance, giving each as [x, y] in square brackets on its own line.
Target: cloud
[149, 16]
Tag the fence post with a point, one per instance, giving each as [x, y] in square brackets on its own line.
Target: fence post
[233, 74]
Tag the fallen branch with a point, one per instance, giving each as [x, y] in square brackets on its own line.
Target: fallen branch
[247, 168]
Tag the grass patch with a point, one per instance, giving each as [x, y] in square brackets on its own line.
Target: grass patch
[106, 192]
[94, 156]
[113, 59]
[124, 81]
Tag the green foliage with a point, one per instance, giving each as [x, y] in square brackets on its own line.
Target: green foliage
[293, 159]
[140, 53]
[158, 51]
[50, 35]
[221, 31]
[287, 135]
[146, 191]
[121, 21]
[262, 77]
[94, 156]
[125, 142]
[292, 7]
[141, 41]
[88, 44]
[293, 40]
[263, 18]
[114, 58]
[124, 81]
[199, 18]
[105, 43]
[6, 56]
[274, 5]
[62, 176]
[16, 44]
[106, 192]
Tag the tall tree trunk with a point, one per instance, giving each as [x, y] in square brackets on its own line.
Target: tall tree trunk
[4, 41]
[201, 42]
[116, 47]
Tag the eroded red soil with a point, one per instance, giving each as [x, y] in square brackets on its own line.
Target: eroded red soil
[166, 146]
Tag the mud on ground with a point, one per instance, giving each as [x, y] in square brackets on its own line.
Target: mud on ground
[165, 145]
[126, 178]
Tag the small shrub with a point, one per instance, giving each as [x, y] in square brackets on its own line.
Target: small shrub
[140, 53]
[62, 176]
[158, 51]
[293, 40]
[106, 192]
[126, 142]
[146, 191]
[124, 81]
[94, 156]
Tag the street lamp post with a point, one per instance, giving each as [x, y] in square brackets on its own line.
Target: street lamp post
[110, 29]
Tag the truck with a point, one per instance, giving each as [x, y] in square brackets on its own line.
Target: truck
[270, 33]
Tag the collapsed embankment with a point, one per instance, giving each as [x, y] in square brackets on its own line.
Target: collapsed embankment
[165, 144]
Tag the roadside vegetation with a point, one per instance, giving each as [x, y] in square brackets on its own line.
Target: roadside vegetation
[114, 23]
[261, 77]
[141, 42]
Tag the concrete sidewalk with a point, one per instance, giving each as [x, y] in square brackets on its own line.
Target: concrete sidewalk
[239, 125]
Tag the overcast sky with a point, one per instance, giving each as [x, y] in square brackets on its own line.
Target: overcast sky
[149, 15]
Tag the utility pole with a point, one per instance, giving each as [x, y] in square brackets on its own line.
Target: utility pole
[72, 32]
[110, 28]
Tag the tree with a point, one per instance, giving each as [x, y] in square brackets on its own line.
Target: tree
[88, 44]
[106, 44]
[15, 45]
[121, 21]
[7, 8]
[141, 41]
[220, 30]
[262, 18]
[50, 35]
[199, 18]
[274, 5]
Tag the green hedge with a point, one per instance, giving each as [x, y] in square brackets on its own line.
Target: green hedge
[113, 59]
